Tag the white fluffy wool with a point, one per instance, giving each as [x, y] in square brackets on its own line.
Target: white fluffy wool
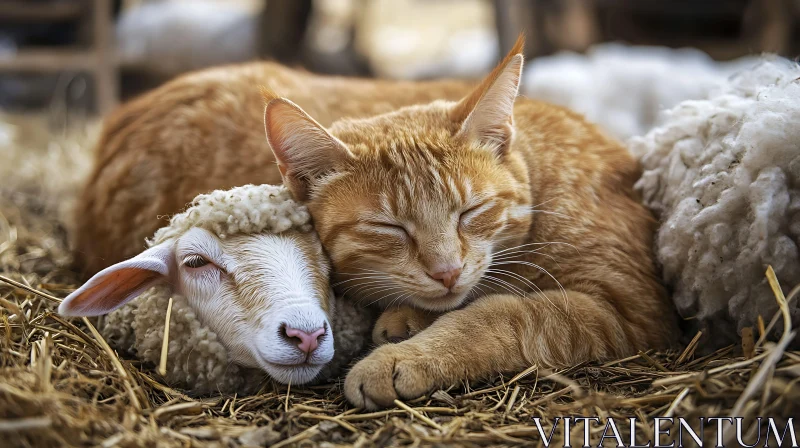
[171, 38]
[625, 88]
[197, 360]
[723, 176]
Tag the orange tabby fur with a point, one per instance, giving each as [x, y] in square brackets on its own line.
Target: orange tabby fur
[526, 198]
[201, 132]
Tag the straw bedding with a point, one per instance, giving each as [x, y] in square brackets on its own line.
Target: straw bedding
[63, 386]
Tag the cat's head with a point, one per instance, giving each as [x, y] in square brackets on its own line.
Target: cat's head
[410, 205]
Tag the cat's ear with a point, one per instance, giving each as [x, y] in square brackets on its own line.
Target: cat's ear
[305, 151]
[487, 114]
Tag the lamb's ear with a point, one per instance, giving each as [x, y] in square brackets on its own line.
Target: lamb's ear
[303, 148]
[117, 285]
[487, 114]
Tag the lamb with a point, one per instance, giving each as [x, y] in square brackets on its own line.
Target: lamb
[723, 175]
[249, 281]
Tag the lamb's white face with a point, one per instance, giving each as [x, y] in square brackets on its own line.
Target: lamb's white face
[266, 296]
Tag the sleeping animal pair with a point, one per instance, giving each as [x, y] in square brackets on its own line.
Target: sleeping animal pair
[507, 228]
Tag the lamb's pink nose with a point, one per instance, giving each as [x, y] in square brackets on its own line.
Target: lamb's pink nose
[307, 342]
[448, 277]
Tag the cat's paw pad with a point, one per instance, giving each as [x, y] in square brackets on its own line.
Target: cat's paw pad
[398, 324]
[389, 373]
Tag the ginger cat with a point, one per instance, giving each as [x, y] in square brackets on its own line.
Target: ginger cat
[515, 218]
[201, 132]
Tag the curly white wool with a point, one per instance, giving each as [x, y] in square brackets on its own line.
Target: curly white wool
[245, 209]
[723, 175]
[197, 360]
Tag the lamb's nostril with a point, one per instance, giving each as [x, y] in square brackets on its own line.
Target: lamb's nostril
[305, 341]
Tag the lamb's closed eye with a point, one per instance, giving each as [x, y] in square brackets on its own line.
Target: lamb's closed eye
[195, 261]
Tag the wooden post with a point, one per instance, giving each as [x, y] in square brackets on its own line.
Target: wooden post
[768, 25]
[282, 28]
[99, 59]
[515, 16]
[105, 57]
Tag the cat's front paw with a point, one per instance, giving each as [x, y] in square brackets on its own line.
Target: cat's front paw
[390, 372]
[397, 324]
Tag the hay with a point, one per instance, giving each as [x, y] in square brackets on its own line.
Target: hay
[63, 386]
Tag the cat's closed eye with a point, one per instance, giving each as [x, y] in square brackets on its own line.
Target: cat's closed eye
[390, 227]
[473, 211]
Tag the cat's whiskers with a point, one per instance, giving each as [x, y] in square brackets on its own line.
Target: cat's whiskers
[388, 291]
[360, 277]
[389, 277]
[361, 286]
[374, 287]
[520, 253]
[535, 208]
[545, 202]
[505, 285]
[545, 244]
[525, 281]
[383, 284]
[370, 270]
[372, 281]
[517, 253]
[545, 271]
[516, 247]
[481, 285]
[512, 253]
[473, 293]
[387, 295]
[398, 299]
[365, 273]
[548, 212]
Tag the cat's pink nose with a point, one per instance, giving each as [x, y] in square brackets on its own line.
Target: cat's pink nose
[447, 277]
[306, 342]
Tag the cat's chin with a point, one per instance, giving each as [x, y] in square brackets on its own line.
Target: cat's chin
[445, 302]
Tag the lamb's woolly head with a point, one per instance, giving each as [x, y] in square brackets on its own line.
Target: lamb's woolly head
[723, 175]
[250, 283]
[240, 210]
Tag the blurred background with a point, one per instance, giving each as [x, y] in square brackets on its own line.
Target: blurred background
[75, 58]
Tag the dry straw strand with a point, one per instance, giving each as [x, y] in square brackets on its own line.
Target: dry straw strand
[162, 365]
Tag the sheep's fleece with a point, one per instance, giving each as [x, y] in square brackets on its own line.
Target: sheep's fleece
[723, 176]
[196, 359]
[625, 88]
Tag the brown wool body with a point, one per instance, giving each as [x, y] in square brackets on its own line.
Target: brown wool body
[553, 219]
